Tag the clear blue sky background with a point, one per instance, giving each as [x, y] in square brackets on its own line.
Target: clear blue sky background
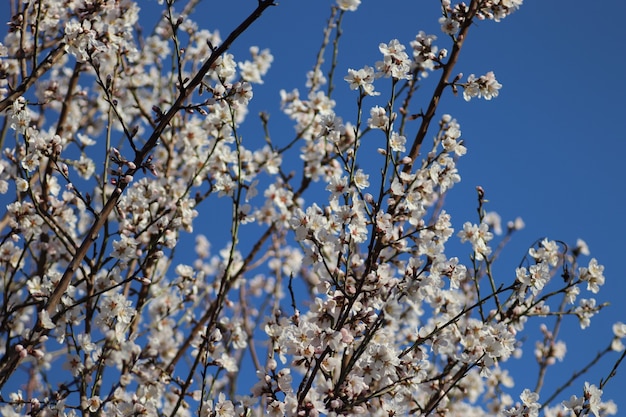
[550, 148]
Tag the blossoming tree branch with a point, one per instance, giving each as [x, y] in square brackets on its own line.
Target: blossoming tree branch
[334, 292]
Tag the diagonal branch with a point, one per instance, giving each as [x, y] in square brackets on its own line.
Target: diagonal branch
[444, 81]
[45, 65]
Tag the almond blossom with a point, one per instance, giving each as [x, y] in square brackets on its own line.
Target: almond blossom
[325, 277]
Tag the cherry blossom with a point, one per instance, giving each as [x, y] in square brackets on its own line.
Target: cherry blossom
[350, 5]
[485, 87]
[362, 78]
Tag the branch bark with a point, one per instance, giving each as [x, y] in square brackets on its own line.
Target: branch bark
[444, 81]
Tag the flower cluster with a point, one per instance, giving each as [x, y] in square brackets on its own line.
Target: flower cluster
[425, 54]
[484, 86]
[479, 236]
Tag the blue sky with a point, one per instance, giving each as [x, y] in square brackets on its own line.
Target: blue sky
[550, 148]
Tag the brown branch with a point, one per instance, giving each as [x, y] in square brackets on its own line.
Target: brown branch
[47, 63]
[443, 83]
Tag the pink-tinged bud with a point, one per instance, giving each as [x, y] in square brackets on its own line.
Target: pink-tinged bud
[131, 165]
[35, 404]
[406, 160]
[382, 151]
[143, 280]
[128, 179]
